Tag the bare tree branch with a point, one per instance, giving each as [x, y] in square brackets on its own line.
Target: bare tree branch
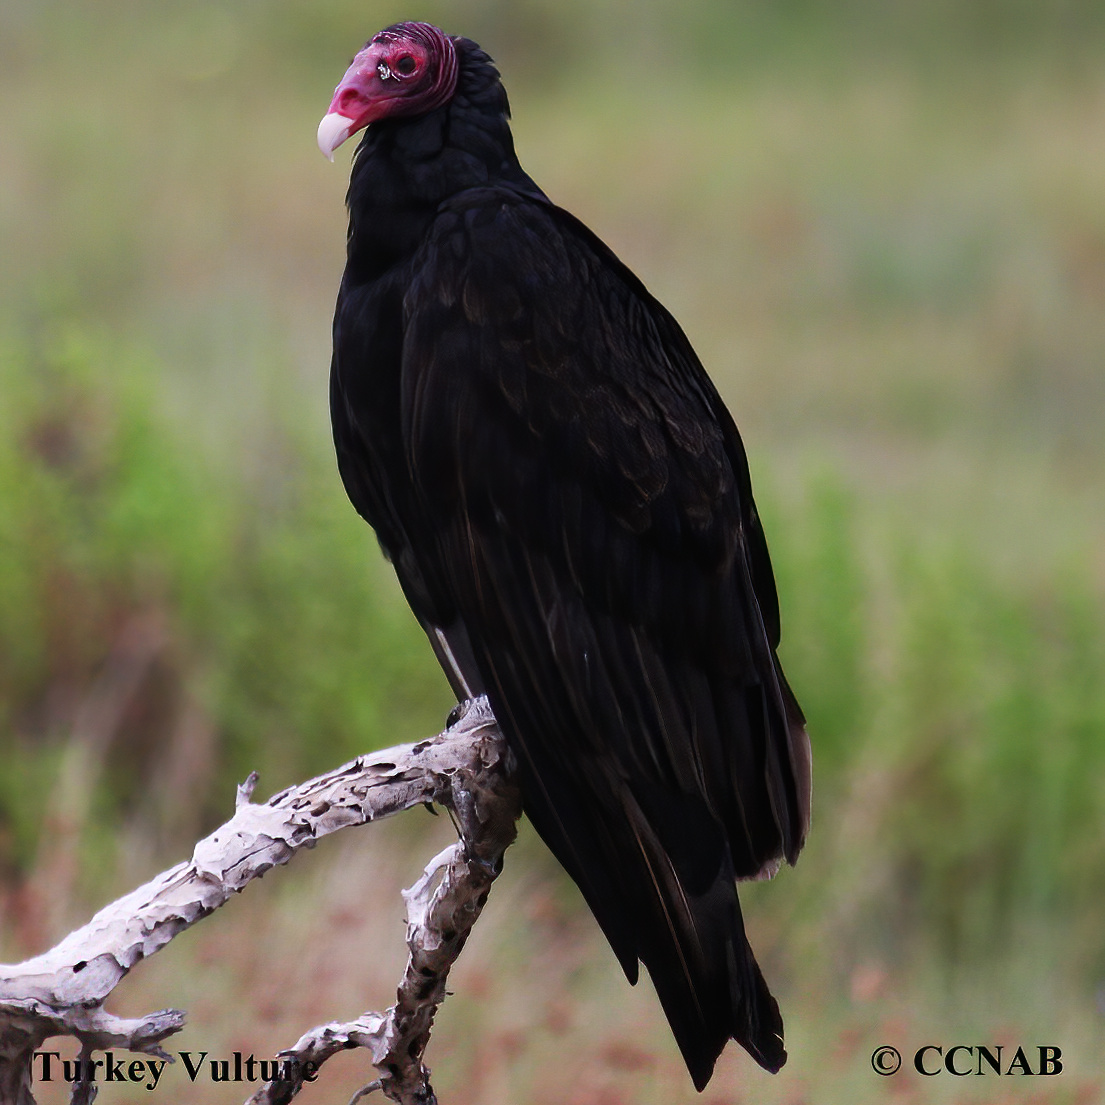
[467, 769]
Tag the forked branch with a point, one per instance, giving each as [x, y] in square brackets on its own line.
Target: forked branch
[466, 768]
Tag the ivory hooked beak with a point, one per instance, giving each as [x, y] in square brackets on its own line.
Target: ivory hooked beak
[332, 132]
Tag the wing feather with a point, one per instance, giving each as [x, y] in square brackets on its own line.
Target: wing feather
[593, 529]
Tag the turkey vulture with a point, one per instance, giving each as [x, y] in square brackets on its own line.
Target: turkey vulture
[567, 505]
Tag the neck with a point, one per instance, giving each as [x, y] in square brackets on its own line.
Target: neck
[405, 168]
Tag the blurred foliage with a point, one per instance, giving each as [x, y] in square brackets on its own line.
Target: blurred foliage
[958, 722]
[272, 617]
[883, 227]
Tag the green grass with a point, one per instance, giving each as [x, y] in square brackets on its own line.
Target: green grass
[247, 596]
[883, 229]
[959, 722]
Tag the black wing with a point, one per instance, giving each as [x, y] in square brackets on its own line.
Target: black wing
[582, 530]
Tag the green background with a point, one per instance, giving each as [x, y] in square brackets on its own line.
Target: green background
[882, 226]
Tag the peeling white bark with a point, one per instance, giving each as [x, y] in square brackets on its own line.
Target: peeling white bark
[467, 769]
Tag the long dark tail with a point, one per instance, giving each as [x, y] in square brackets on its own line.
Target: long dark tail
[678, 913]
[690, 936]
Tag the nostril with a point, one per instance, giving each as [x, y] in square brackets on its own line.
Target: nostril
[348, 98]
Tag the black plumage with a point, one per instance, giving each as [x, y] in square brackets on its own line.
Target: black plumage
[567, 504]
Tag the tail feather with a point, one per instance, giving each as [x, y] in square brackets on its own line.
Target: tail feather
[712, 990]
[684, 924]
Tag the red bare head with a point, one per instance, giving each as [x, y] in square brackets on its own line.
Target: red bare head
[406, 69]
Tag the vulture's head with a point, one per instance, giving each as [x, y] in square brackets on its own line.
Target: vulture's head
[407, 69]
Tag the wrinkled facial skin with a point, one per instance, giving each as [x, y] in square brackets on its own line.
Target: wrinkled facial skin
[405, 70]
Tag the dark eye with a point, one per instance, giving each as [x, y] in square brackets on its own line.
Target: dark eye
[406, 65]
